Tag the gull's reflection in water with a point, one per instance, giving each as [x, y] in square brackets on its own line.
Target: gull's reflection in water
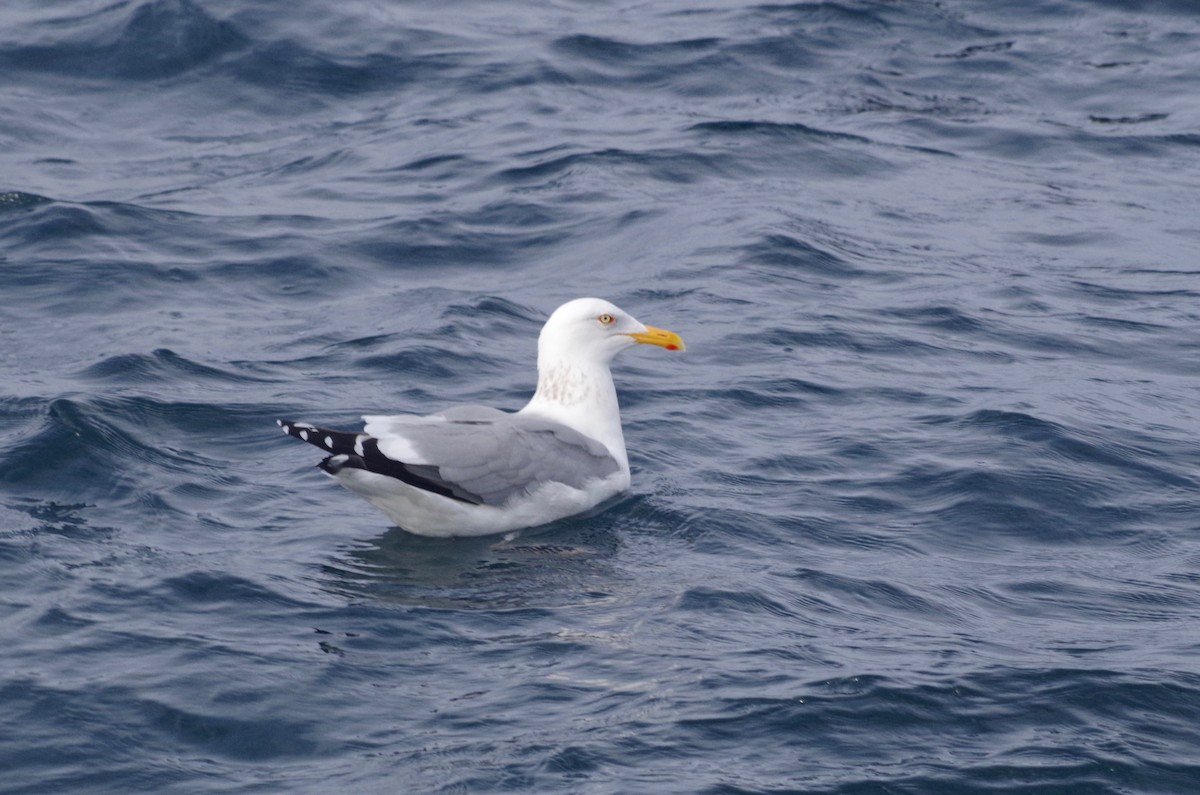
[567, 563]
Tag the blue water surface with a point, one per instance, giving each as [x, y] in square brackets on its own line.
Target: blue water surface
[915, 513]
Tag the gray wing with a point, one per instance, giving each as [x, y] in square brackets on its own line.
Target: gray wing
[486, 456]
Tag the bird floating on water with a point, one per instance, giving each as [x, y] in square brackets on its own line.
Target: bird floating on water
[475, 470]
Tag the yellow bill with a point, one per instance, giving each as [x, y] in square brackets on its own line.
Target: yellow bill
[660, 337]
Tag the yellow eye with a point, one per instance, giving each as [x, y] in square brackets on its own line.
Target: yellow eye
[607, 319]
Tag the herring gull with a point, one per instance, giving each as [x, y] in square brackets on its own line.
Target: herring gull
[474, 470]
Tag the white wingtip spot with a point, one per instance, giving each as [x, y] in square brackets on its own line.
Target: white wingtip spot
[304, 435]
[329, 442]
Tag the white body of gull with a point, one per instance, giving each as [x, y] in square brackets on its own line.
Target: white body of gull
[472, 470]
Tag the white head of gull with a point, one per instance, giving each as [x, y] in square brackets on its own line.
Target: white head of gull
[473, 470]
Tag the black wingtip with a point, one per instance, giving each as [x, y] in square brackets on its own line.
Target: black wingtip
[336, 463]
[308, 433]
[359, 451]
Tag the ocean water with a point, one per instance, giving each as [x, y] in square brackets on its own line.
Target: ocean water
[916, 512]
